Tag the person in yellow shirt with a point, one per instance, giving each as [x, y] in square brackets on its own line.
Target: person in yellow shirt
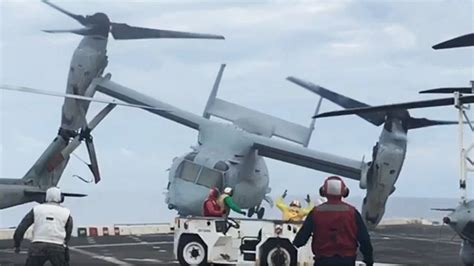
[293, 212]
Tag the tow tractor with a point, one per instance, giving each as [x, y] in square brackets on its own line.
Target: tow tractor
[204, 241]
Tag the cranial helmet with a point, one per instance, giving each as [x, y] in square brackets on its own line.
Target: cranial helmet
[334, 186]
[228, 190]
[53, 194]
[213, 192]
[295, 203]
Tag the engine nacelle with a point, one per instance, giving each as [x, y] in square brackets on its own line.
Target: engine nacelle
[364, 175]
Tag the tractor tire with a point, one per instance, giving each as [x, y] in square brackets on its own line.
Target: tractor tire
[192, 250]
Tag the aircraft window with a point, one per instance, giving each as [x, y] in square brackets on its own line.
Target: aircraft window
[188, 171]
[210, 178]
[221, 166]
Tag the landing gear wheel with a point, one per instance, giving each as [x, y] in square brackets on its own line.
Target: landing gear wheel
[192, 250]
[277, 251]
[260, 213]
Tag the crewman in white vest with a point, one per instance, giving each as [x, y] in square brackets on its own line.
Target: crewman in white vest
[52, 228]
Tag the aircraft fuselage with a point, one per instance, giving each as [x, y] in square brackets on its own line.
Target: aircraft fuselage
[224, 158]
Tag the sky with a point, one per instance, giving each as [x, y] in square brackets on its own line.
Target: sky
[377, 52]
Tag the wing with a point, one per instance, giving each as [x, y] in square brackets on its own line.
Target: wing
[136, 98]
[301, 156]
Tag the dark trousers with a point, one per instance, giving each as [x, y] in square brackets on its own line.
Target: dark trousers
[335, 261]
[40, 252]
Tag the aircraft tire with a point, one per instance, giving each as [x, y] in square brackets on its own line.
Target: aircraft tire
[192, 250]
[260, 213]
[278, 251]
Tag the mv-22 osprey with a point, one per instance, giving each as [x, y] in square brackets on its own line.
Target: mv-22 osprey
[388, 154]
[88, 62]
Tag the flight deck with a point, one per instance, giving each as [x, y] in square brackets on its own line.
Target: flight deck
[410, 244]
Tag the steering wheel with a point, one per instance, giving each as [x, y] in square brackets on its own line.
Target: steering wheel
[232, 223]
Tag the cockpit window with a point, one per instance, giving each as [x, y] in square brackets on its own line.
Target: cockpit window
[190, 156]
[195, 173]
[188, 171]
[210, 178]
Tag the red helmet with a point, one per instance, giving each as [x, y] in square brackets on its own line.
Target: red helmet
[213, 193]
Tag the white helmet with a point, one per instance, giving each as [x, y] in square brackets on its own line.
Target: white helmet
[53, 194]
[228, 190]
[295, 203]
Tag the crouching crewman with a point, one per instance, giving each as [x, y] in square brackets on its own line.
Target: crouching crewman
[52, 228]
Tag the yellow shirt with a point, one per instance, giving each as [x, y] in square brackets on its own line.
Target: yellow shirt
[293, 213]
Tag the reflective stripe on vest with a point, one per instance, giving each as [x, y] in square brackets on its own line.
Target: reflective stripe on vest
[50, 223]
[335, 230]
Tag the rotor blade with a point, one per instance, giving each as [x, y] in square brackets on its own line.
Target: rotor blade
[73, 96]
[461, 41]
[76, 195]
[398, 106]
[60, 157]
[122, 31]
[467, 90]
[81, 31]
[213, 94]
[341, 100]
[443, 209]
[93, 166]
[424, 122]
[79, 18]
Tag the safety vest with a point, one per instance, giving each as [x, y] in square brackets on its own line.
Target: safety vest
[50, 223]
[221, 203]
[335, 230]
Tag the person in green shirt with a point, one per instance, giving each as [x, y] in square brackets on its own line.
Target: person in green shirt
[226, 202]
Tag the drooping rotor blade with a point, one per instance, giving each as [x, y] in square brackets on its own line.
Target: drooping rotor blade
[213, 94]
[93, 166]
[122, 31]
[81, 19]
[424, 122]
[398, 106]
[467, 90]
[461, 41]
[73, 96]
[341, 100]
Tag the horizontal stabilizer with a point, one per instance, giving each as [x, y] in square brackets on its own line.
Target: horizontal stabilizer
[467, 90]
[279, 127]
[341, 100]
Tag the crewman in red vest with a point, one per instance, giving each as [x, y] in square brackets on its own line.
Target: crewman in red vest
[211, 207]
[337, 228]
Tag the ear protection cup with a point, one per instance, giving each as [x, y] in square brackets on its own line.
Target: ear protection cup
[344, 190]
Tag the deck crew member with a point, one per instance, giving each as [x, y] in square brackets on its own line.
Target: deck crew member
[293, 212]
[52, 228]
[337, 229]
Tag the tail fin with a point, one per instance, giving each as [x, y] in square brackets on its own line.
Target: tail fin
[341, 100]
[236, 113]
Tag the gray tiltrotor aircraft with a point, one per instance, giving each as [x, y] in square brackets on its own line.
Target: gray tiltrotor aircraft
[388, 154]
[461, 218]
[232, 154]
[88, 62]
